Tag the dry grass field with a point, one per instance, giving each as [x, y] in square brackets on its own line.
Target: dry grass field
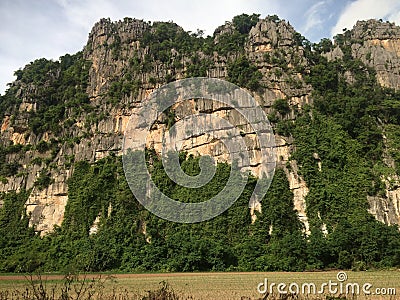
[199, 285]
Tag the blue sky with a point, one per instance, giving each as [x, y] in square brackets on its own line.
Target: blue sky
[31, 29]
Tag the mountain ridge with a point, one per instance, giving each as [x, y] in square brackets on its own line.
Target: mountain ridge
[58, 114]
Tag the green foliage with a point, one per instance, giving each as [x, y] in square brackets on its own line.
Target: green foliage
[230, 43]
[38, 72]
[16, 239]
[388, 108]
[60, 85]
[277, 59]
[284, 127]
[274, 18]
[233, 42]
[337, 196]
[243, 73]
[122, 88]
[243, 23]
[43, 146]
[324, 46]
[8, 168]
[198, 67]
[37, 161]
[91, 191]
[171, 118]
[339, 149]
[167, 36]
[324, 77]
[393, 137]
[129, 238]
[355, 105]
[9, 102]
[281, 106]
[276, 238]
[43, 180]
[342, 166]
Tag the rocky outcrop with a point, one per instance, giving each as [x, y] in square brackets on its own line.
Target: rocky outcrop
[109, 48]
[278, 51]
[377, 44]
[387, 209]
[296, 182]
[121, 60]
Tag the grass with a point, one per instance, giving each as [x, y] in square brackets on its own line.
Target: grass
[202, 285]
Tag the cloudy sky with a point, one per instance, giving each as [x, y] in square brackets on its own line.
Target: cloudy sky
[31, 29]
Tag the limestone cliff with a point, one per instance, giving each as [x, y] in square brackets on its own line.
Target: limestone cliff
[377, 44]
[124, 67]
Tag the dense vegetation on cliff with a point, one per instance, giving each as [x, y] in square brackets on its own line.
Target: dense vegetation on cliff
[129, 238]
[345, 142]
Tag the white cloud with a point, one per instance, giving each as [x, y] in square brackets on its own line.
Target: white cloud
[314, 17]
[367, 9]
[321, 17]
[27, 34]
[191, 15]
[85, 13]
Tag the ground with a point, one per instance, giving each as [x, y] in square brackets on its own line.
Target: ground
[220, 285]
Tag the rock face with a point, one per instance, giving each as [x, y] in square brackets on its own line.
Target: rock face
[105, 41]
[120, 59]
[376, 44]
[278, 52]
[296, 182]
